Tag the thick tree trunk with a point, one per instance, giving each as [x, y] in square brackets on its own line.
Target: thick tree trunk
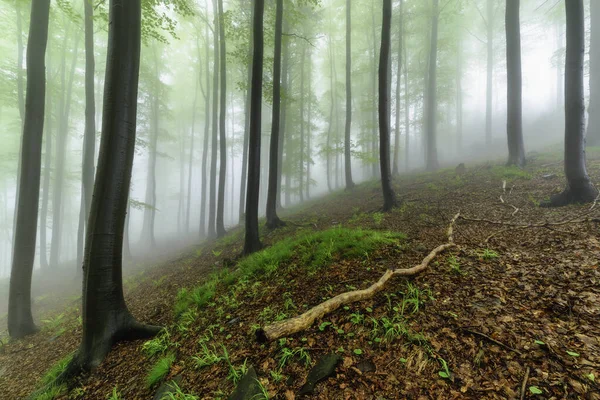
[593, 128]
[516, 151]
[252, 239]
[89, 136]
[61, 148]
[347, 143]
[20, 97]
[579, 187]
[396, 167]
[20, 319]
[273, 220]
[106, 319]
[431, 119]
[244, 176]
[222, 138]
[490, 72]
[205, 177]
[389, 197]
[212, 202]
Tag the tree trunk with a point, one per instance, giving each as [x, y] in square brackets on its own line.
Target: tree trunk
[20, 98]
[252, 239]
[396, 167]
[247, 128]
[203, 193]
[222, 139]
[347, 153]
[212, 203]
[284, 107]
[309, 128]
[333, 100]
[191, 163]
[579, 187]
[516, 151]
[273, 220]
[459, 99]
[20, 319]
[61, 148]
[106, 319]
[389, 197]
[301, 164]
[406, 112]
[374, 169]
[89, 136]
[593, 128]
[490, 71]
[46, 183]
[431, 120]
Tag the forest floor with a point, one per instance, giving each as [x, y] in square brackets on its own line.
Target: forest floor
[511, 307]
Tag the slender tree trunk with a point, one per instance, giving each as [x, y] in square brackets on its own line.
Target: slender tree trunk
[191, 163]
[579, 187]
[333, 100]
[20, 319]
[252, 239]
[459, 99]
[246, 127]
[126, 242]
[46, 183]
[222, 138]
[406, 113]
[212, 203]
[205, 177]
[301, 165]
[431, 120]
[516, 151]
[490, 72]
[273, 220]
[181, 205]
[89, 136]
[347, 148]
[374, 169]
[593, 128]
[309, 128]
[396, 166]
[389, 197]
[560, 81]
[282, 131]
[61, 148]
[106, 319]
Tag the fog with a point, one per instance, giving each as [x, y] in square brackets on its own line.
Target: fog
[172, 105]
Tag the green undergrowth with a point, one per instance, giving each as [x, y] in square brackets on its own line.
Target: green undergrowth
[509, 173]
[48, 390]
[310, 251]
[160, 370]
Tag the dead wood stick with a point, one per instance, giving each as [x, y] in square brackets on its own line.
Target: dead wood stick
[524, 384]
[523, 226]
[296, 324]
[483, 335]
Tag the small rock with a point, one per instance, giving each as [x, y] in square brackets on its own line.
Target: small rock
[234, 321]
[325, 368]
[549, 176]
[366, 366]
[166, 388]
[248, 388]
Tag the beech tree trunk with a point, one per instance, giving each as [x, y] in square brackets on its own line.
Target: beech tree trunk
[396, 167]
[579, 187]
[89, 135]
[205, 177]
[516, 151]
[244, 176]
[191, 163]
[490, 72]
[389, 197]
[301, 150]
[347, 144]
[252, 239]
[309, 128]
[593, 128]
[222, 138]
[431, 118]
[20, 319]
[106, 319]
[459, 99]
[273, 220]
[212, 202]
[406, 113]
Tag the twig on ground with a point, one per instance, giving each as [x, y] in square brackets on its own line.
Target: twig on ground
[296, 324]
[507, 347]
[524, 384]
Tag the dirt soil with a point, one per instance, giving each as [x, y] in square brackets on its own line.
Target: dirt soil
[509, 302]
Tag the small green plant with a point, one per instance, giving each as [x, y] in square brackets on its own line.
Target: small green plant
[235, 374]
[445, 372]
[177, 394]
[378, 218]
[535, 390]
[324, 325]
[158, 345]
[264, 393]
[217, 253]
[413, 298]
[299, 353]
[488, 254]
[158, 282]
[358, 352]
[357, 318]
[53, 324]
[455, 265]
[115, 395]
[160, 370]
[277, 376]
[206, 357]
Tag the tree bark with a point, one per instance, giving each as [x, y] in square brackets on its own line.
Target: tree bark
[252, 239]
[309, 128]
[282, 131]
[89, 136]
[46, 182]
[406, 112]
[593, 128]
[347, 144]
[396, 167]
[247, 128]
[389, 197]
[205, 177]
[106, 319]
[579, 187]
[301, 160]
[212, 202]
[20, 319]
[490, 72]
[516, 151]
[222, 137]
[273, 220]
[333, 100]
[191, 163]
[459, 99]
[431, 119]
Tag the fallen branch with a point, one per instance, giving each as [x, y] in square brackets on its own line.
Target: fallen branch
[507, 347]
[302, 322]
[524, 384]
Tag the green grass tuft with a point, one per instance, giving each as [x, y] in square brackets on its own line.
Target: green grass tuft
[160, 370]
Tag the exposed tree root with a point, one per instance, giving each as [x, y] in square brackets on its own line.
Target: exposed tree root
[304, 321]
